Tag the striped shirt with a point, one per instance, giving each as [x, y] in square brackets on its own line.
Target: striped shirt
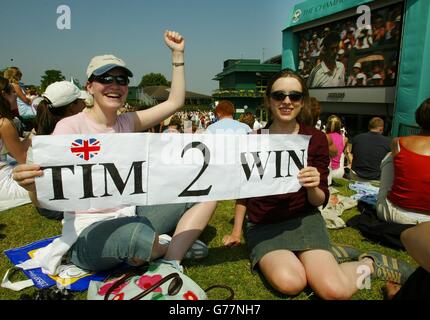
[322, 76]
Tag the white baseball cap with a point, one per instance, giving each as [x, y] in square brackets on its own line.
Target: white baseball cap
[376, 76]
[357, 65]
[62, 93]
[102, 64]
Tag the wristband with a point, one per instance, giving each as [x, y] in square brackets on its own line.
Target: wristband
[178, 64]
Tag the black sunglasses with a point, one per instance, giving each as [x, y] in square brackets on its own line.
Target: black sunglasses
[281, 95]
[109, 79]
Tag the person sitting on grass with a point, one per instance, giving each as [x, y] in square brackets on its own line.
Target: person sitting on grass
[334, 125]
[404, 192]
[286, 234]
[61, 99]
[417, 243]
[103, 238]
[11, 194]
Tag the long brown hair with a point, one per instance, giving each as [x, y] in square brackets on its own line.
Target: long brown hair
[47, 117]
[5, 87]
[305, 113]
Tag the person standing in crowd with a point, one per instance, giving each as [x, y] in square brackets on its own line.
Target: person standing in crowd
[367, 151]
[333, 130]
[286, 234]
[11, 194]
[129, 234]
[330, 72]
[405, 175]
[226, 124]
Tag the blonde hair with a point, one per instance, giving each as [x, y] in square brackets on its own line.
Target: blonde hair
[334, 124]
[376, 123]
[13, 74]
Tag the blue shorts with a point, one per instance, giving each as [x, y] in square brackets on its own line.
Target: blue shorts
[106, 244]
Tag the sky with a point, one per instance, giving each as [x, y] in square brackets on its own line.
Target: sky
[214, 31]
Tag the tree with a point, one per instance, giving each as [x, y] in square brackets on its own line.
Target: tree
[49, 77]
[154, 79]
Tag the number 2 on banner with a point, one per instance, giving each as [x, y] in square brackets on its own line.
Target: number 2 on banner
[207, 155]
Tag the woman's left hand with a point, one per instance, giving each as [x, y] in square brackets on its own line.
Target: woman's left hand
[309, 177]
[174, 41]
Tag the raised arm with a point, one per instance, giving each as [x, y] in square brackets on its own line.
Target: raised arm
[148, 118]
[21, 94]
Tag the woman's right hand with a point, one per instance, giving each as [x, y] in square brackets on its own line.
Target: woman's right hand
[24, 175]
[174, 41]
[231, 240]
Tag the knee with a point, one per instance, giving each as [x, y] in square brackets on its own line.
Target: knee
[290, 284]
[332, 289]
[405, 237]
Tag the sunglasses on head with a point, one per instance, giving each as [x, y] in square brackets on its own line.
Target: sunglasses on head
[109, 79]
[281, 95]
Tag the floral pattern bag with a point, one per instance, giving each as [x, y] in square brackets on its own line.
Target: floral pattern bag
[154, 282]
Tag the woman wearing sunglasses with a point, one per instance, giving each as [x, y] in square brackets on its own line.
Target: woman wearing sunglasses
[11, 194]
[286, 234]
[129, 234]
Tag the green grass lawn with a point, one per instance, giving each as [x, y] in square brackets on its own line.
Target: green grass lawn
[20, 226]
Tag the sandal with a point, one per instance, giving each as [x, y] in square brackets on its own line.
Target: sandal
[389, 268]
[198, 250]
[344, 253]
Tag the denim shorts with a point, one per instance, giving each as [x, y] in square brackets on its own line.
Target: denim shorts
[106, 244]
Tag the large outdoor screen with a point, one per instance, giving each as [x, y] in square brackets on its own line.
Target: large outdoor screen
[339, 54]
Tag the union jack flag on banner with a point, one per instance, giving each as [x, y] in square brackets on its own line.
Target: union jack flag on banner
[85, 149]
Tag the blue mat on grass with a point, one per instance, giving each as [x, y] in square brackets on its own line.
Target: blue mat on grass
[41, 280]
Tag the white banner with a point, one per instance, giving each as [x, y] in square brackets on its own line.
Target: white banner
[108, 170]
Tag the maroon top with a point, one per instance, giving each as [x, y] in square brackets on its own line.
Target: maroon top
[276, 208]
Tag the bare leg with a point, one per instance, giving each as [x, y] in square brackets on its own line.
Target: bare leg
[417, 243]
[283, 270]
[391, 289]
[328, 279]
[189, 228]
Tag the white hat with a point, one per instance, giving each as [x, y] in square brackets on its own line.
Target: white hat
[377, 76]
[361, 75]
[102, 64]
[62, 93]
[340, 52]
[357, 65]
[36, 101]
